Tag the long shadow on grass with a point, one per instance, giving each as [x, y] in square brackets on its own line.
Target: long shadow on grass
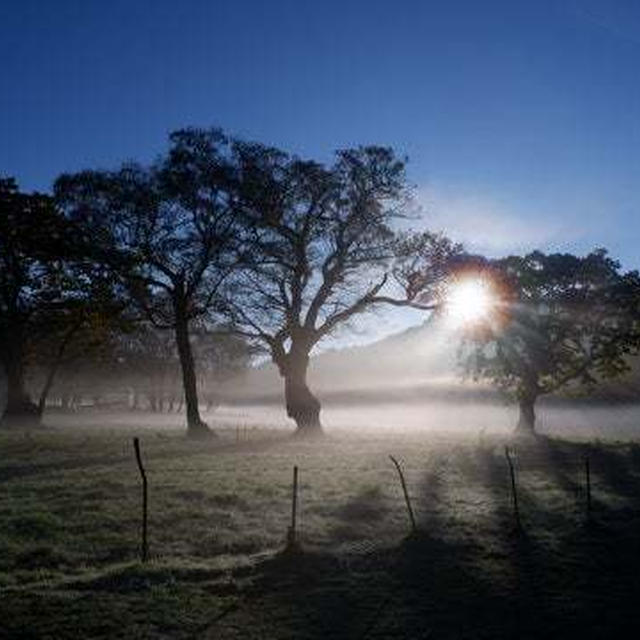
[424, 586]
[414, 590]
[468, 573]
[560, 576]
[460, 576]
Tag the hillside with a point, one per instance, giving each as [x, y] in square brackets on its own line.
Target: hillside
[417, 364]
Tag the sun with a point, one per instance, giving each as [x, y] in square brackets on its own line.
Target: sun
[469, 301]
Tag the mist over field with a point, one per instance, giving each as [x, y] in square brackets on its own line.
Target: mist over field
[467, 418]
[410, 382]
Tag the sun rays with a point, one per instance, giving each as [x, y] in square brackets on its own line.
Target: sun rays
[469, 301]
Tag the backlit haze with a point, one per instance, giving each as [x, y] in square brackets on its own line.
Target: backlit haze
[520, 119]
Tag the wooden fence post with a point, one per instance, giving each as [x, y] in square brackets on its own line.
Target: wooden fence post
[292, 541]
[144, 551]
[414, 529]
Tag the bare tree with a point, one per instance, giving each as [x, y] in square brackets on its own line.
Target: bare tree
[324, 250]
[168, 231]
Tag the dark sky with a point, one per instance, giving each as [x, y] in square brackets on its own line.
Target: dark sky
[521, 118]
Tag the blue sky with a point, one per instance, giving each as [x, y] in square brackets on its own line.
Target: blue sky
[521, 118]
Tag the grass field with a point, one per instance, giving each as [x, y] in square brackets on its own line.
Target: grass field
[219, 511]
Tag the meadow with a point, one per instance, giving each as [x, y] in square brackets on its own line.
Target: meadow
[218, 517]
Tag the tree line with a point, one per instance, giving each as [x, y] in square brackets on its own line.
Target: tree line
[223, 247]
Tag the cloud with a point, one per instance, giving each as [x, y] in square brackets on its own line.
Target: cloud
[488, 224]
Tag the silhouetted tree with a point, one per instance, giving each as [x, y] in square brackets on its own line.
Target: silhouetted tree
[323, 250]
[558, 320]
[47, 294]
[73, 339]
[168, 232]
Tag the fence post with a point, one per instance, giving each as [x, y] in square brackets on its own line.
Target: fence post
[514, 491]
[144, 549]
[406, 495]
[292, 542]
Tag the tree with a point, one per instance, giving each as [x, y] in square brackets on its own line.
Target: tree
[558, 320]
[322, 251]
[222, 356]
[147, 365]
[144, 363]
[47, 296]
[73, 340]
[167, 232]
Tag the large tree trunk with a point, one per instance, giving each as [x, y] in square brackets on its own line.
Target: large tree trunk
[20, 410]
[302, 405]
[196, 427]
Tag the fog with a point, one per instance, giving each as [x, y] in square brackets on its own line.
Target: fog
[406, 383]
[411, 382]
[577, 421]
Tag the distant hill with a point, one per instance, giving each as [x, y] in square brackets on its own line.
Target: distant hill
[417, 364]
[420, 360]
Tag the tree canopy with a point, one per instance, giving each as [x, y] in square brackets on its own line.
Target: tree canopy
[323, 247]
[48, 294]
[558, 319]
[168, 233]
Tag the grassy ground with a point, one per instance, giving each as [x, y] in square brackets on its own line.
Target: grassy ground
[219, 512]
